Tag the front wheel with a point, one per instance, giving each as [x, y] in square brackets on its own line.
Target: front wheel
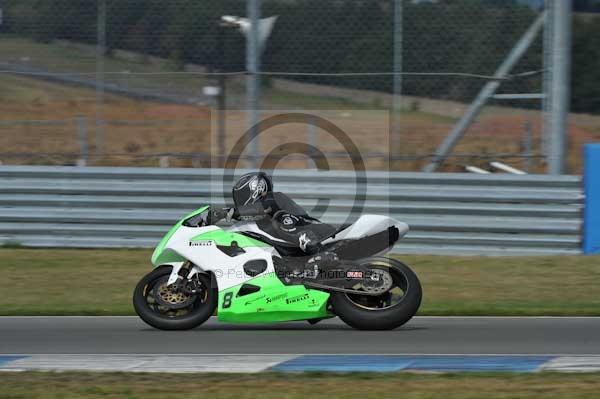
[383, 312]
[167, 308]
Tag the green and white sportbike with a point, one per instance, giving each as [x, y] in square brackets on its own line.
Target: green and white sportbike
[253, 272]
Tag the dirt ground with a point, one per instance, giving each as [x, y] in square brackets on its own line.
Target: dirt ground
[41, 123]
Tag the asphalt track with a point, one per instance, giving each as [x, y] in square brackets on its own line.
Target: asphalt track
[423, 335]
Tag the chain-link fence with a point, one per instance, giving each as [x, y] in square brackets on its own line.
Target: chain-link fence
[149, 82]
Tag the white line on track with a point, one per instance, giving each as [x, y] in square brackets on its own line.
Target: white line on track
[415, 318]
[304, 354]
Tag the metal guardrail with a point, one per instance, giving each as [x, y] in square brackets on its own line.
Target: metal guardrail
[449, 213]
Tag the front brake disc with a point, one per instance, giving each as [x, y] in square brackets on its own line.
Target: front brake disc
[166, 295]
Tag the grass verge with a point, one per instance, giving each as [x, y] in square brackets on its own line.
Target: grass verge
[31, 385]
[100, 282]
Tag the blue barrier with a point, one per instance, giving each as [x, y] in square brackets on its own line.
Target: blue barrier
[591, 218]
[7, 359]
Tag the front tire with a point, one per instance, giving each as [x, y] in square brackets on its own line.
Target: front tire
[187, 312]
[379, 313]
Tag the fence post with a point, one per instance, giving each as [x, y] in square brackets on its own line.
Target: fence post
[82, 136]
[591, 214]
[527, 146]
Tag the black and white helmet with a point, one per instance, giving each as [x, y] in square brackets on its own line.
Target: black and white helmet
[250, 188]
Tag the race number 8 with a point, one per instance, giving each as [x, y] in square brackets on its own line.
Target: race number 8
[227, 300]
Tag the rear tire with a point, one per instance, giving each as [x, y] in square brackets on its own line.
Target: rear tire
[386, 318]
[200, 310]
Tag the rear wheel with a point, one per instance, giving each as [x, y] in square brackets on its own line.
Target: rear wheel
[168, 308]
[386, 311]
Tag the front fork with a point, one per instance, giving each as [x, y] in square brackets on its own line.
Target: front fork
[174, 277]
[184, 281]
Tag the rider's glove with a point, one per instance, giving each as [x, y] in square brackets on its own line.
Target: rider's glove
[217, 215]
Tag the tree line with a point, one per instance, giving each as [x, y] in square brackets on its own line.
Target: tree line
[465, 36]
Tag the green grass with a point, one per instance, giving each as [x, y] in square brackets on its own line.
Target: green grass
[70, 282]
[31, 385]
[100, 282]
[551, 286]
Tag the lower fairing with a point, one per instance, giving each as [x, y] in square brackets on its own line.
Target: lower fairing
[271, 302]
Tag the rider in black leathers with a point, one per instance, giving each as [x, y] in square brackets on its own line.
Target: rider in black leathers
[275, 213]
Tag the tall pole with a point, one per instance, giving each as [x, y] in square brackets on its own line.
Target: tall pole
[397, 98]
[221, 101]
[546, 81]
[559, 85]
[252, 79]
[100, 53]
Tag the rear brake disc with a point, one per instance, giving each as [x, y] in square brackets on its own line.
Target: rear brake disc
[378, 282]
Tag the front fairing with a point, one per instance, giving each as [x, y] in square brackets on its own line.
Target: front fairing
[209, 249]
[162, 255]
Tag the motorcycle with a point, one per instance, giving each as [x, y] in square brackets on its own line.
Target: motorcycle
[244, 273]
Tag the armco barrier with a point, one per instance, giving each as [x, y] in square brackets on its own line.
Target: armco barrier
[449, 213]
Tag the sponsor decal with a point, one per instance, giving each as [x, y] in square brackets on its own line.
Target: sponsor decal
[203, 243]
[276, 298]
[332, 274]
[303, 241]
[251, 301]
[313, 303]
[288, 221]
[354, 274]
[298, 298]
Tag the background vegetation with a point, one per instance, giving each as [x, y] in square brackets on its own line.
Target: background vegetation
[470, 36]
